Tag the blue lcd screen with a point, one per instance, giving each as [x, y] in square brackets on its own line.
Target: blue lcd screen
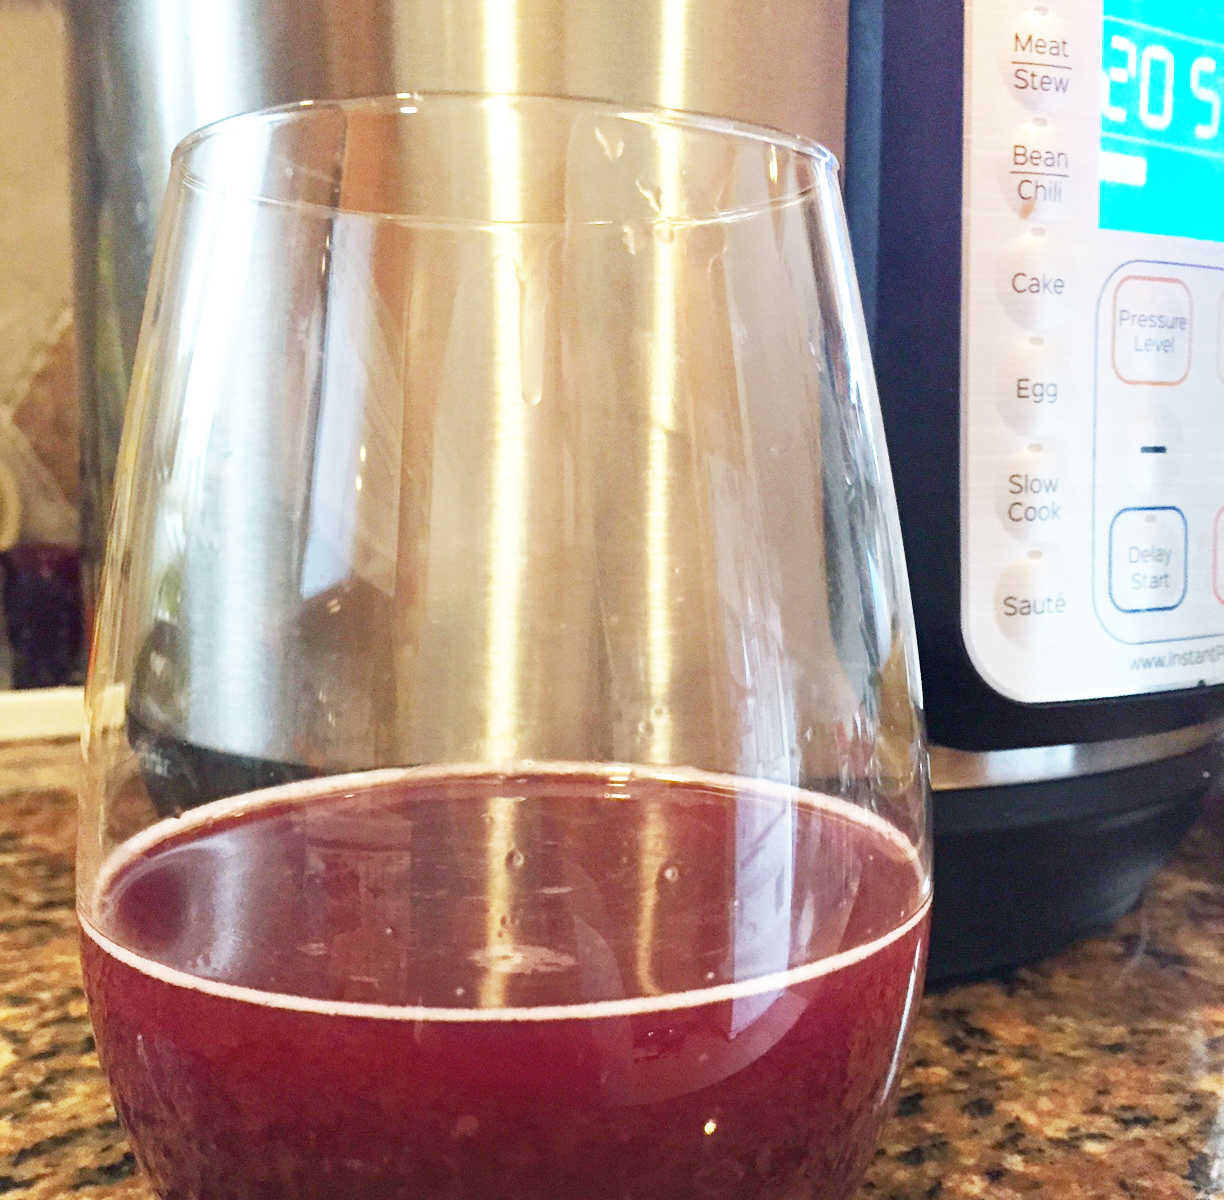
[1162, 117]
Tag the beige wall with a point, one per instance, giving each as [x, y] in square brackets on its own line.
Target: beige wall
[37, 381]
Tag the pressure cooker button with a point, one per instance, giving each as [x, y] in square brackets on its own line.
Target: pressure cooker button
[1037, 179]
[1147, 559]
[1035, 281]
[1032, 496]
[1152, 327]
[1031, 603]
[1041, 65]
[1032, 384]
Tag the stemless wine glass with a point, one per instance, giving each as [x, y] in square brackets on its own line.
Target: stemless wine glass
[505, 774]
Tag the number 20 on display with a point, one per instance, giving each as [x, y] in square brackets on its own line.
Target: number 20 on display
[1155, 68]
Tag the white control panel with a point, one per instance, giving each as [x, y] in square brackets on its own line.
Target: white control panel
[1092, 380]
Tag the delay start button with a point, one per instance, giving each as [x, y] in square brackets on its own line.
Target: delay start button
[1147, 559]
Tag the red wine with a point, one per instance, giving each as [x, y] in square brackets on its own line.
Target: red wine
[586, 982]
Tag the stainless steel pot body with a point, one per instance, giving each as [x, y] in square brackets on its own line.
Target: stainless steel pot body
[146, 72]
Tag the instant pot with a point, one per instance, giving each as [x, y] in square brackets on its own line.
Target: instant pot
[1036, 195]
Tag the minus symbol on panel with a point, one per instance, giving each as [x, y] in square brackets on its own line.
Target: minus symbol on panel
[1153, 449]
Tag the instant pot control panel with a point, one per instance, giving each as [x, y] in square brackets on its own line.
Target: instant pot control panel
[1092, 347]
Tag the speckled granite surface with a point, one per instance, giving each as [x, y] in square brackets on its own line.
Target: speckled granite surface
[1097, 1075]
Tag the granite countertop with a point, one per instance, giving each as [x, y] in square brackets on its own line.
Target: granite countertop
[1099, 1074]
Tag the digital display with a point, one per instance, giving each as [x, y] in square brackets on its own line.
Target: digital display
[1162, 104]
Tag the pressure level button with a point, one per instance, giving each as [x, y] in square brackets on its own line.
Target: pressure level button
[1153, 322]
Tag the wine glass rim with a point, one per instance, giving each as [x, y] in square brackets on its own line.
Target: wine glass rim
[408, 103]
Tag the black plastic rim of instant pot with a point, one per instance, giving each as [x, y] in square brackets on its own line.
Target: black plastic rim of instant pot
[1023, 871]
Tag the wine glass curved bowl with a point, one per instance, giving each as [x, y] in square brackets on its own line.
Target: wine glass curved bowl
[505, 770]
